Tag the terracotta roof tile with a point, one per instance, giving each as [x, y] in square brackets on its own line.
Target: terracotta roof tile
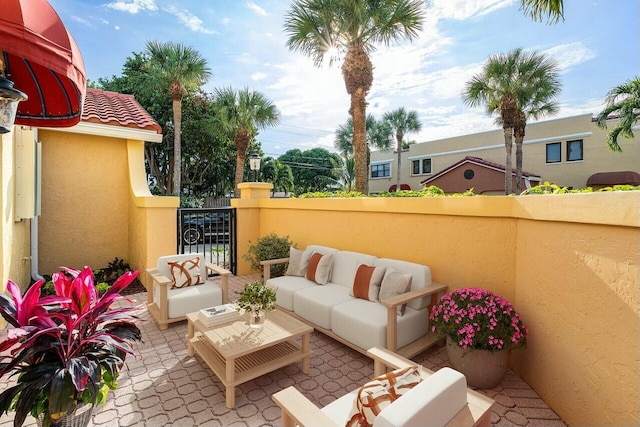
[116, 109]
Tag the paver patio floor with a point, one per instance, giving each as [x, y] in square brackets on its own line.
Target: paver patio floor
[166, 387]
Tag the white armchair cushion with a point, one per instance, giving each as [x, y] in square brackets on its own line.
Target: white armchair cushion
[189, 299]
[434, 402]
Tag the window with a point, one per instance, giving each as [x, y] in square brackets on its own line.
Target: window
[553, 153]
[574, 150]
[421, 167]
[382, 170]
[426, 166]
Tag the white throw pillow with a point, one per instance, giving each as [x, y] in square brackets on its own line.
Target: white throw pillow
[295, 263]
[393, 284]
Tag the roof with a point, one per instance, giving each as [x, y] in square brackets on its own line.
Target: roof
[116, 109]
[477, 161]
[614, 178]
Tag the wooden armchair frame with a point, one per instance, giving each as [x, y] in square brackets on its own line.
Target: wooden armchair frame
[296, 409]
[435, 290]
[160, 310]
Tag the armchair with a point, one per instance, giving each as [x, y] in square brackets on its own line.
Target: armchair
[441, 399]
[167, 304]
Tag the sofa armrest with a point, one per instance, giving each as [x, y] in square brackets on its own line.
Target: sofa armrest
[224, 283]
[435, 290]
[266, 266]
[158, 279]
[383, 359]
[298, 410]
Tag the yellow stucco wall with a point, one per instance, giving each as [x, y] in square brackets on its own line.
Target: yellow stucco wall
[14, 248]
[96, 204]
[568, 263]
[85, 201]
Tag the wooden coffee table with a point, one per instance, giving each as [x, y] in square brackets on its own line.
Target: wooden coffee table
[237, 353]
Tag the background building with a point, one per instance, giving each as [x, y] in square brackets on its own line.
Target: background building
[563, 151]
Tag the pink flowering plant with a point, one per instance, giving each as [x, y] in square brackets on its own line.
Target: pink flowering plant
[478, 319]
[66, 348]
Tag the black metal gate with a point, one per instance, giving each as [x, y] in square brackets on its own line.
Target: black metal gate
[211, 231]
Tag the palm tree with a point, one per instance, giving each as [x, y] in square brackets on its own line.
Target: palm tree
[624, 102]
[348, 174]
[242, 113]
[515, 85]
[538, 88]
[352, 28]
[378, 136]
[536, 9]
[401, 122]
[183, 70]
[283, 179]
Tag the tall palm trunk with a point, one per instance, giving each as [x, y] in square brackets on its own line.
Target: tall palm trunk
[508, 170]
[399, 136]
[358, 76]
[518, 133]
[177, 152]
[242, 143]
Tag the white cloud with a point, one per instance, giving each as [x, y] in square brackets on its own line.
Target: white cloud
[116, 27]
[257, 9]
[189, 20]
[81, 20]
[258, 76]
[225, 21]
[570, 55]
[133, 6]
[464, 9]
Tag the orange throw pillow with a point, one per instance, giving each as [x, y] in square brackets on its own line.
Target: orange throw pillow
[366, 284]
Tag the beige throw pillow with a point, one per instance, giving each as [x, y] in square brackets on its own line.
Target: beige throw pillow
[366, 284]
[319, 268]
[185, 273]
[379, 393]
[393, 284]
[295, 262]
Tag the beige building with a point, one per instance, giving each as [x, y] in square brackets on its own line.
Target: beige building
[563, 151]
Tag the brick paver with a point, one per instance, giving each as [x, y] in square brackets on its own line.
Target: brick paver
[165, 387]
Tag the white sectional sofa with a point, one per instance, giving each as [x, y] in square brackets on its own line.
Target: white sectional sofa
[357, 322]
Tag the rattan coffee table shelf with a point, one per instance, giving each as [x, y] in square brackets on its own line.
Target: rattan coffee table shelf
[237, 353]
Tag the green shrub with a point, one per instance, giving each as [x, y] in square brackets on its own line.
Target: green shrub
[547, 188]
[268, 247]
[102, 287]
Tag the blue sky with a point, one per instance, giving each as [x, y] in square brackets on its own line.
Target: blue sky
[596, 47]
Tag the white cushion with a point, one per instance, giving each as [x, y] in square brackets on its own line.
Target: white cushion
[286, 287]
[345, 264]
[433, 402]
[191, 298]
[339, 409]
[421, 277]
[364, 323]
[314, 303]
[295, 267]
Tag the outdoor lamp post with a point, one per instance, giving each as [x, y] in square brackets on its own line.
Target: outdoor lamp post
[254, 164]
[9, 98]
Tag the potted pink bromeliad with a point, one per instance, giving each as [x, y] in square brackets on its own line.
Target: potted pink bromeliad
[65, 350]
[481, 329]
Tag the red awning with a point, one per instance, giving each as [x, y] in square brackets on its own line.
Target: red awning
[43, 61]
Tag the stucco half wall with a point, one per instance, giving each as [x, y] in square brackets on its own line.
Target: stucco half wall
[97, 206]
[569, 263]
